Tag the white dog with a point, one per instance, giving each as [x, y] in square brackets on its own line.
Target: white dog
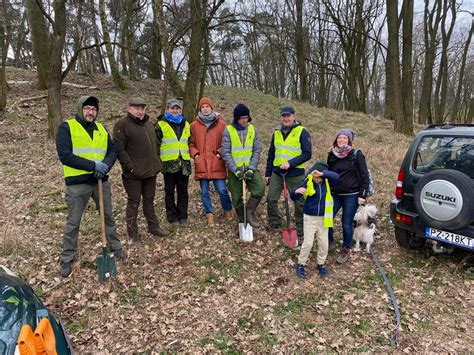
[364, 222]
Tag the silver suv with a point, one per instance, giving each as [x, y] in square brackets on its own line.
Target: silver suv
[434, 195]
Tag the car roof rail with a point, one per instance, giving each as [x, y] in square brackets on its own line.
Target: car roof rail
[447, 125]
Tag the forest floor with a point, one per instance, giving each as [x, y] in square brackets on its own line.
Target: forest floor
[202, 290]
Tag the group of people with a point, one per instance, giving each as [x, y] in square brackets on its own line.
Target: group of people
[226, 155]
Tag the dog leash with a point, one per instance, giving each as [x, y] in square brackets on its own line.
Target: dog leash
[394, 337]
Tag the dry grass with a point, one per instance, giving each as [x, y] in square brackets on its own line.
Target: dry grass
[201, 290]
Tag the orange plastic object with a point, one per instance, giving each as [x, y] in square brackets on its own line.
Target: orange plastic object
[26, 341]
[45, 341]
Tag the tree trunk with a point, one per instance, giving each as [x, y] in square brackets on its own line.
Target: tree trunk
[154, 65]
[100, 57]
[118, 81]
[457, 98]
[40, 41]
[442, 82]
[194, 61]
[55, 67]
[171, 78]
[5, 37]
[393, 55]
[430, 31]
[300, 52]
[407, 66]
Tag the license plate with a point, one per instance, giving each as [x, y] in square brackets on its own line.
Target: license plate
[448, 237]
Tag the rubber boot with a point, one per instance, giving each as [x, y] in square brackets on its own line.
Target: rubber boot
[251, 207]
[240, 213]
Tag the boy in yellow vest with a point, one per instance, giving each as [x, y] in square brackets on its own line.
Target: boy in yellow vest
[173, 135]
[240, 149]
[318, 214]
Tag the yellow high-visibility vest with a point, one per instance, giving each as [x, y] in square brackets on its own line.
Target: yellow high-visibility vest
[286, 149]
[172, 147]
[328, 201]
[241, 153]
[86, 147]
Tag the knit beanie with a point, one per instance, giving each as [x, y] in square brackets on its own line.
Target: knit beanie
[241, 110]
[206, 100]
[347, 132]
[91, 101]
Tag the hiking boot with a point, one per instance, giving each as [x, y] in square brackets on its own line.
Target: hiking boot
[120, 254]
[210, 219]
[66, 268]
[183, 223]
[323, 272]
[344, 256]
[229, 214]
[300, 271]
[251, 207]
[159, 232]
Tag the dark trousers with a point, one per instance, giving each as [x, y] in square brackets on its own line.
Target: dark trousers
[136, 188]
[349, 205]
[77, 198]
[176, 209]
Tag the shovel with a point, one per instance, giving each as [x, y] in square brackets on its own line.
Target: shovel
[105, 261]
[289, 235]
[245, 229]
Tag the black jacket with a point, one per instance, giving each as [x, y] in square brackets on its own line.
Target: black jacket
[64, 149]
[353, 174]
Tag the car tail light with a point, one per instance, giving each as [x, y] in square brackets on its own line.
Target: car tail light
[399, 184]
[404, 218]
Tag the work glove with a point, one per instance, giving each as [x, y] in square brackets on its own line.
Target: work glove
[101, 168]
[239, 174]
[248, 175]
[98, 175]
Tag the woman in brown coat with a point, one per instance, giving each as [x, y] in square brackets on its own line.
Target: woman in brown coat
[204, 148]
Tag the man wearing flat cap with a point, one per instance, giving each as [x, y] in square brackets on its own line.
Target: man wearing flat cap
[289, 149]
[173, 134]
[135, 139]
[87, 152]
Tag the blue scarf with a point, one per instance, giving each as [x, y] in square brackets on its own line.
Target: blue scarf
[174, 119]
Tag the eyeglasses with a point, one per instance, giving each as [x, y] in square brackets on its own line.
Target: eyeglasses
[90, 108]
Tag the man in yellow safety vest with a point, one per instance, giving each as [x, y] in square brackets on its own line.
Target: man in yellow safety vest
[240, 149]
[289, 149]
[88, 153]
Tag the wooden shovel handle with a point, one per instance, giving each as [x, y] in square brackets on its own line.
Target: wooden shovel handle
[101, 213]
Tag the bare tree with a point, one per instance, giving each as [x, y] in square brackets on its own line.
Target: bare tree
[118, 81]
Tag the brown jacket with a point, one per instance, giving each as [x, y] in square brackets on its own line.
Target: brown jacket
[135, 141]
[205, 149]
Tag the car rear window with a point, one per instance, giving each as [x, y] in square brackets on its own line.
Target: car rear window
[435, 153]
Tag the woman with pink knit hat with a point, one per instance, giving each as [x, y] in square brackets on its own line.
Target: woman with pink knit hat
[352, 188]
[205, 149]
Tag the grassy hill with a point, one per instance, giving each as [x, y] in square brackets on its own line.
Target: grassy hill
[202, 290]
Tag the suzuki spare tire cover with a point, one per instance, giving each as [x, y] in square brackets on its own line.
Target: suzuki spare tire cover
[445, 199]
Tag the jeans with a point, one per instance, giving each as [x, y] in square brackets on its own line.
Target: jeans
[349, 204]
[221, 188]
